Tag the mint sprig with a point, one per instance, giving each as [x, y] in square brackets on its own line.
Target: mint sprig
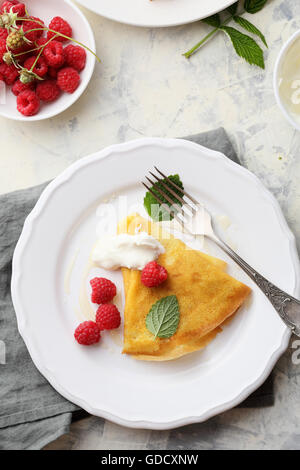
[250, 27]
[157, 211]
[244, 45]
[163, 318]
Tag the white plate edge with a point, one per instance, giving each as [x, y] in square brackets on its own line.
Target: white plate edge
[24, 238]
[151, 25]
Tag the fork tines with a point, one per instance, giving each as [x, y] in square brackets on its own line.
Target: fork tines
[167, 188]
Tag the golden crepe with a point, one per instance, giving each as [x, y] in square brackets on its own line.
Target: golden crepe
[206, 294]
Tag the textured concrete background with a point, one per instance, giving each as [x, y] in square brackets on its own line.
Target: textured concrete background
[144, 87]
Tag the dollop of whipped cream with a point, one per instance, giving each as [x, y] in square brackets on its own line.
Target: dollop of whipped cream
[126, 251]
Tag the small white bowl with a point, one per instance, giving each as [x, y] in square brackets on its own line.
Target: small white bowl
[276, 77]
[82, 32]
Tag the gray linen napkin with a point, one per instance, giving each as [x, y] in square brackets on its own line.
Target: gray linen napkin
[32, 413]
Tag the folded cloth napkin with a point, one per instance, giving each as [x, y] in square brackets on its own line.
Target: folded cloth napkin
[32, 413]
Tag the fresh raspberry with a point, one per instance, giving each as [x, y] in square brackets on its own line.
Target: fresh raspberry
[18, 87]
[3, 33]
[22, 57]
[36, 23]
[61, 26]
[52, 72]
[28, 47]
[87, 333]
[103, 290]
[20, 9]
[17, 7]
[48, 91]
[153, 274]
[40, 68]
[3, 50]
[6, 7]
[9, 73]
[54, 54]
[40, 42]
[68, 79]
[28, 103]
[75, 57]
[108, 317]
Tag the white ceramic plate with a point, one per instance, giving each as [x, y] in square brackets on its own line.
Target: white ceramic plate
[60, 232]
[156, 13]
[82, 32]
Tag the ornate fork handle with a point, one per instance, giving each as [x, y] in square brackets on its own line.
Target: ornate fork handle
[287, 306]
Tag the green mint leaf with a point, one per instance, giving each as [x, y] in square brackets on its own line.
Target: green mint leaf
[253, 6]
[233, 8]
[163, 318]
[245, 46]
[156, 210]
[250, 27]
[213, 20]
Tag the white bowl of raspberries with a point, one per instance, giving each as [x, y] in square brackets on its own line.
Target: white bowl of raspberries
[46, 58]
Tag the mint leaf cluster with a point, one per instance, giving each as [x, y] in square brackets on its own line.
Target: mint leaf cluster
[244, 45]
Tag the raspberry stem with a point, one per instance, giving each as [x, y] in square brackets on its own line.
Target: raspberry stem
[40, 52]
[45, 28]
[26, 52]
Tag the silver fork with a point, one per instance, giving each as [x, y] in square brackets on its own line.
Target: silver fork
[196, 220]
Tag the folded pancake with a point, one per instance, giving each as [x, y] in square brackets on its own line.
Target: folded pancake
[207, 296]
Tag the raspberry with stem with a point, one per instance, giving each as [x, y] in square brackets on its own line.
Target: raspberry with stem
[8, 20]
[45, 28]
[16, 39]
[27, 76]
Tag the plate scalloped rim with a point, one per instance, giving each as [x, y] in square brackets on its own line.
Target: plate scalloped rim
[144, 21]
[64, 177]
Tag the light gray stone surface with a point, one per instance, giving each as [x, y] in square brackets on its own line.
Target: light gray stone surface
[144, 87]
